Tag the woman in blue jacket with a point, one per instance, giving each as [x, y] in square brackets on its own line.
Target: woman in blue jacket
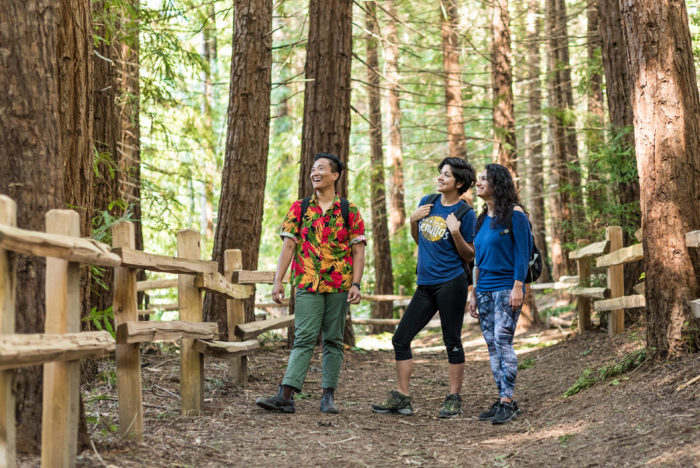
[502, 243]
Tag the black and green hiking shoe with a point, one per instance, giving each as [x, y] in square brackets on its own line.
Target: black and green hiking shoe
[396, 403]
[451, 407]
[277, 402]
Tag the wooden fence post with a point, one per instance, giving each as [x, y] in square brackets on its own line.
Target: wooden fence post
[235, 314]
[125, 308]
[190, 302]
[583, 265]
[8, 279]
[59, 417]
[616, 281]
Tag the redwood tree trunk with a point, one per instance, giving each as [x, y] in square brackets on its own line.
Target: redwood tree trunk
[243, 180]
[533, 134]
[326, 127]
[456, 139]
[31, 169]
[395, 147]
[505, 146]
[383, 275]
[116, 128]
[667, 127]
[618, 92]
[561, 131]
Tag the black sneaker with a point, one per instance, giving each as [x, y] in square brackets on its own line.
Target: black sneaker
[396, 403]
[451, 407]
[276, 403]
[506, 412]
[488, 415]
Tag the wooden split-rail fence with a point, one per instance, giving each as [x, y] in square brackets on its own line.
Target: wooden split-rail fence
[611, 255]
[62, 345]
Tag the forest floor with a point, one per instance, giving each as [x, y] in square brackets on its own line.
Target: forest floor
[635, 419]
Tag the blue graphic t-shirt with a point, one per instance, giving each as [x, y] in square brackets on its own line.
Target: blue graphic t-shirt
[438, 259]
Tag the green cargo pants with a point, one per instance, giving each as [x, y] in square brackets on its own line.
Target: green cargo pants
[314, 312]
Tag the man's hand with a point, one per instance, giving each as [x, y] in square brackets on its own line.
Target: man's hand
[354, 295]
[278, 292]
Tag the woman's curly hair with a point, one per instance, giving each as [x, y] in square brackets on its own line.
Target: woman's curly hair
[504, 196]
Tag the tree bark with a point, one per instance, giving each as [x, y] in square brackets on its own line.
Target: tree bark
[245, 168]
[116, 128]
[326, 127]
[31, 169]
[505, 146]
[563, 137]
[456, 138]
[381, 248]
[533, 134]
[594, 123]
[618, 92]
[666, 110]
[395, 147]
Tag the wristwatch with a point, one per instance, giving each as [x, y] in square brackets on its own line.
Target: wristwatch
[359, 286]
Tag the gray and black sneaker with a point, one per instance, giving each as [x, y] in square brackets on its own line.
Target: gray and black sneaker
[451, 407]
[488, 415]
[277, 402]
[506, 412]
[396, 403]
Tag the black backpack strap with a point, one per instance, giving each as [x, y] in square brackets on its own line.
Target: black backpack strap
[463, 209]
[345, 211]
[304, 206]
[431, 198]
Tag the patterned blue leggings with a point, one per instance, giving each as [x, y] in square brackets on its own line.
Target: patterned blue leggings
[498, 321]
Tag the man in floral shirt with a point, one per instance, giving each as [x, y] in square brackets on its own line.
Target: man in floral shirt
[327, 253]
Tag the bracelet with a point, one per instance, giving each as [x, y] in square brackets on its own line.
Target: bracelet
[359, 286]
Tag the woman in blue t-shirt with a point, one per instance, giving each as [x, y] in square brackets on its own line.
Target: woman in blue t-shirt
[444, 246]
[503, 242]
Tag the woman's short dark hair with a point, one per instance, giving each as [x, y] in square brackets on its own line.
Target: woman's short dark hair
[336, 163]
[462, 171]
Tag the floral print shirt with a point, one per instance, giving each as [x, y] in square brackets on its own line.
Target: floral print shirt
[322, 261]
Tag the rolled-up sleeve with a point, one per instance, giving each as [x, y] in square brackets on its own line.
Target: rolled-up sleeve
[357, 225]
[292, 222]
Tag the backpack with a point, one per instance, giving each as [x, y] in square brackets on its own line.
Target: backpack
[344, 209]
[534, 264]
[459, 213]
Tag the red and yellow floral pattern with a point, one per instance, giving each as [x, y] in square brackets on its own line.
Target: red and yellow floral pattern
[322, 261]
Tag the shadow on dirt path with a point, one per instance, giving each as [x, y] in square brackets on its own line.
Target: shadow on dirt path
[636, 419]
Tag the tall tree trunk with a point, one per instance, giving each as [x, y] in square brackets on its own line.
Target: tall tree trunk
[245, 168]
[666, 110]
[395, 148]
[116, 128]
[559, 90]
[209, 54]
[75, 88]
[596, 118]
[533, 134]
[505, 146]
[326, 127]
[456, 138]
[31, 170]
[617, 87]
[383, 275]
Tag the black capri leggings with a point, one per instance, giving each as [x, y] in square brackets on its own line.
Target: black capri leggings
[449, 298]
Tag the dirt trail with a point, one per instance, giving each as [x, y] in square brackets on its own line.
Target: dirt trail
[638, 420]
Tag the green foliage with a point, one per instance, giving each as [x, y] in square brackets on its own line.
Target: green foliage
[588, 378]
[101, 319]
[526, 363]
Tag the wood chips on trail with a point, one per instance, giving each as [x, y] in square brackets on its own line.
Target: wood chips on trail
[635, 419]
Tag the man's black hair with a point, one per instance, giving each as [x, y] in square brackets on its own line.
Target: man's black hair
[462, 171]
[336, 163]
